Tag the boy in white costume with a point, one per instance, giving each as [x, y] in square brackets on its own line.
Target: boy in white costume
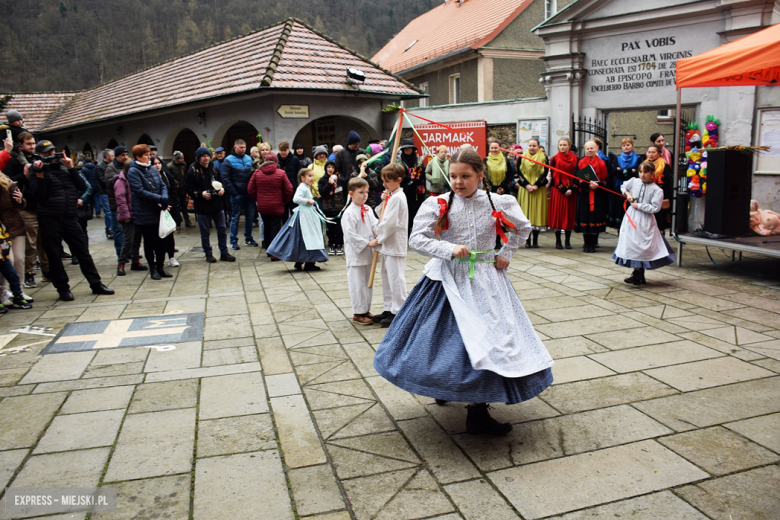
[359, 224]
[391, 236]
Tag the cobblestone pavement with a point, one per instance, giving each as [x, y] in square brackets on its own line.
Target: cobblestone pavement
[666, 402]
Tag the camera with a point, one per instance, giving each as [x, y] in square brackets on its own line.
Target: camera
[50, 162]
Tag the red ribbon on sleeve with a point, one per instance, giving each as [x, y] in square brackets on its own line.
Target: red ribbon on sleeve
[363, 212]
[443, 211]
[499, 216]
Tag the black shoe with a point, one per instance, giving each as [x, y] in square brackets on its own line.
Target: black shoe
[558, 244]
[188, 223]
[642, 276]
[441, 402]
[138, 266]
[65, 255]
[120, 270]
[387, 321]
[298, 266]
[109, 235]
[227, 257]
[153, 274]
[45, 276]
[309, 266]
[251, 243]
[635, 278]
[479, 421]
[21, 303]
[99, 288]
[175, 250]
[340, 250]
[29, 281]
[528, 243]
[65, 295]
[3, 309]
[379, 317]
[74, 261]
[210, 259]
[536, 239]
[234, 245]
[163, 273]
[331, 251]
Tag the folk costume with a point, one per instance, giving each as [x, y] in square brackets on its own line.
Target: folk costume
[392, 234]
[413, 182]
[359, 225]
[562, 208]
[462, 334]
[624, 167]
[300, 239]
[591, 214]
[663, 178]
[499, 172]
[644, 247]
[534, 204]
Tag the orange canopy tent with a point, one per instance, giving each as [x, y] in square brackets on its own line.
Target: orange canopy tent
[752, 60]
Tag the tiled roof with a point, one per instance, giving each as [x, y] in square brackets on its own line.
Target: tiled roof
[447, 28]
[38, 108]
[287, 55]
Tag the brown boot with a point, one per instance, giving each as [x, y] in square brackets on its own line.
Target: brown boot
[361, 319]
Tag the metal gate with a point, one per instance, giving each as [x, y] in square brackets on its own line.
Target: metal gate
[583, 129]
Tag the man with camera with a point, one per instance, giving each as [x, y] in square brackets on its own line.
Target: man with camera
[18, 171]
[56, 186]
[207, 197]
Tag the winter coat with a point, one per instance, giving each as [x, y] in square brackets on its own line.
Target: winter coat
[112, 169]
[58, 192]
[270, 189]
[100, 175]
[173, 200]
[89, 171]
[9, 214]
[149, 194]
[291, 166]
[236, 172]
[179, 172]
[197, 181]
[333, 199]
[14, 170]
[346, 162]
[86, 195]
[303, 161]
[123, 197]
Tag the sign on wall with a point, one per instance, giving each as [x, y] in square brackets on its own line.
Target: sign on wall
[528, 129]
[435, 136]
[294, 111]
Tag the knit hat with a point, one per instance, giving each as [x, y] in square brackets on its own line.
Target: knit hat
[271, 157]
[375, 148]
[353, 138]
[177, 155]
[200, 152]
[119, 150]
[320, 149]
[298, 146]
[13, 115]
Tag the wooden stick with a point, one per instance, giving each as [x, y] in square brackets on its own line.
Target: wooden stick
[384, 202]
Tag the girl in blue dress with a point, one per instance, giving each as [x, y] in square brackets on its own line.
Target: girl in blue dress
[300, 239]
[474, 343]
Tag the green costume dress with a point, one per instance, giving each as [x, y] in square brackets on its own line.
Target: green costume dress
[534, 204]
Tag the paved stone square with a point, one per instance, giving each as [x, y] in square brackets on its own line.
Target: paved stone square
[666, 402]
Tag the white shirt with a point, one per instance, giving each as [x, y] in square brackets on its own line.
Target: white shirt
[491, 320]
[358, 232]
[393, 231]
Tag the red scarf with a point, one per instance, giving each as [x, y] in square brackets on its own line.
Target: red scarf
[363, 212]
[601, 173]
[566, 162]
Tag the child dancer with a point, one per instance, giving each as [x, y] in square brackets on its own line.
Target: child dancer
[591, 215]
[563, 198]
[358, 223]
[391, 233]
[463, 334]
[644, 247]
[300, 240]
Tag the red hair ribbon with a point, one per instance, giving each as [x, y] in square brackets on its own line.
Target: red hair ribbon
[499, 216]
[443, 211]
[363, 212]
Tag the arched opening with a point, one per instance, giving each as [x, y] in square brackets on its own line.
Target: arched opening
[187, 143]
[145, 139]
[331, 130]
[112, 144]
[88, 152]
[240, 130]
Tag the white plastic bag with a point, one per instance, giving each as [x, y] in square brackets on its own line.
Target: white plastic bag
[167, 224]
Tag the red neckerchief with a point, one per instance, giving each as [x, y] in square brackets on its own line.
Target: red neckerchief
[363, 212]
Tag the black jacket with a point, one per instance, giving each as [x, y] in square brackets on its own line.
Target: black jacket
[100, 174]
[345, 161]
[290, 165]
[112, 169]
[196, 182]
[57, 194]
[14, 170]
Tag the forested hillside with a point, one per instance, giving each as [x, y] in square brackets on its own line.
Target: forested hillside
[48, 45]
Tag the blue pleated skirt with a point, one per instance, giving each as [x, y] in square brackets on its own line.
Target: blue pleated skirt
[423, 353]
[290, 247]
[644, 264]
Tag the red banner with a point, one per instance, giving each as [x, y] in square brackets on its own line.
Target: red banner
[473, 133]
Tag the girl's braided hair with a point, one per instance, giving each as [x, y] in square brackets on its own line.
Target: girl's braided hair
[466, 155]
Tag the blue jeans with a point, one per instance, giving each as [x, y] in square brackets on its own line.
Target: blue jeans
[102, 201]
[119, 236]
[239, 202]
[204, 223]
[9, 273]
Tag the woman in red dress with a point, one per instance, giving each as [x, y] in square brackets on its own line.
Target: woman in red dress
[563, 198]
[591, 215]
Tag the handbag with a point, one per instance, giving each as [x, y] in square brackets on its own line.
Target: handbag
[167, 224]
[85, 211]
